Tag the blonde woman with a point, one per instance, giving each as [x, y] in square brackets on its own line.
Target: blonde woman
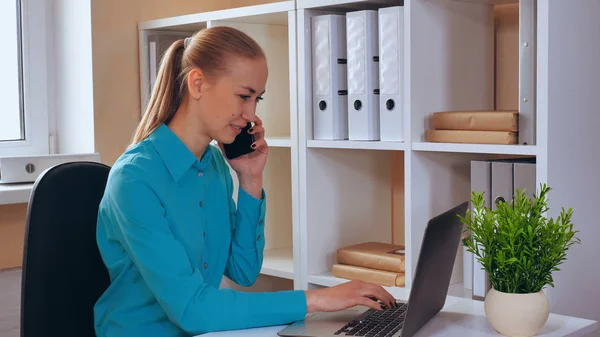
[168, 228]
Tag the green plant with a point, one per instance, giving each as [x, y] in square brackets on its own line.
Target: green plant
[517, 245]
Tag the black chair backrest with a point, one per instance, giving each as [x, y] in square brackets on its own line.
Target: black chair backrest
[63, 273]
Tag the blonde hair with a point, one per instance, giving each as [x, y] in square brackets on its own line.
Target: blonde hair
[208, 50]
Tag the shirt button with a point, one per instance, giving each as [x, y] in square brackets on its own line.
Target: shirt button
[200, 174]
[201, 203]
[261, 222]
[205, 265]
[258, 238]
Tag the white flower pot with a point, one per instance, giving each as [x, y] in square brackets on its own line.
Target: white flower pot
[517, 315]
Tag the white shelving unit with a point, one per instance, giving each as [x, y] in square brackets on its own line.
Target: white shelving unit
[458, 55]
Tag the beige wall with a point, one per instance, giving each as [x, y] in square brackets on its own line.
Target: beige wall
[116, 88]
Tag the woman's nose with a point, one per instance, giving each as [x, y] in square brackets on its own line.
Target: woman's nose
[249, 113]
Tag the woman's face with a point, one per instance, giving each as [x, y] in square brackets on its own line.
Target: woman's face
[229, 101]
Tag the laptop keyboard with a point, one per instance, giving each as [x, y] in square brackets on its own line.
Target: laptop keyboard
[376, 323]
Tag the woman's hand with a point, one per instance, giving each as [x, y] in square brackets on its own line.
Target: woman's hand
[347, 295]
[249, 167]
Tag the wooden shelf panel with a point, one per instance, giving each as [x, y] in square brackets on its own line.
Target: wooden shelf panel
[279, 142]
[491, 2]
[328, 280]
[271, 13]
[279, 262]
[475, 148]
[359, 145]
[345, 4]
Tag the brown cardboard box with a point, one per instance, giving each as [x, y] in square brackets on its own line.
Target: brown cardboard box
[375, 255]
[476, 120]
[381, 277]
[472, 137]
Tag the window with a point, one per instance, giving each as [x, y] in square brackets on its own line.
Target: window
[23, 89]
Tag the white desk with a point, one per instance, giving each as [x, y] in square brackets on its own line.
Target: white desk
[460, 317]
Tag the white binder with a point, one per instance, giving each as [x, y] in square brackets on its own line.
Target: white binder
[330, 103]
[391, 73]
[363, 75]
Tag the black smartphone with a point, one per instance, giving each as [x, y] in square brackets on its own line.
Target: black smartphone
[241, 144]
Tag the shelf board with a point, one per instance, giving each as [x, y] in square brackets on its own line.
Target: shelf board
[270, 13]
[475, 148]
[279, 262]
[15, 193]
[279, 141]
[346, 4]
[359, 145]
[491, 2]
[328, 280]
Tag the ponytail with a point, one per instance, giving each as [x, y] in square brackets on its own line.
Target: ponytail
[165, 97]
[206, 50]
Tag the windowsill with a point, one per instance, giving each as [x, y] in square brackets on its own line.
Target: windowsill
[15, 193]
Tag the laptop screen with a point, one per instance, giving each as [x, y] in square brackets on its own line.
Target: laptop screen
[434, 268]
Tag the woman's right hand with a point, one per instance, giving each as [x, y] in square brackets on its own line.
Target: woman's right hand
[347, 295]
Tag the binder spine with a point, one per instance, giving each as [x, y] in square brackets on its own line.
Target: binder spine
[391, 60]
[363, 75]
[340, 76]
[329, 74]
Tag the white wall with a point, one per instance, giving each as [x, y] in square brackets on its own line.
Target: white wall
[72, 92]
[572, 90]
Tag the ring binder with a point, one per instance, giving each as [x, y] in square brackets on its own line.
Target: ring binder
[391, 73]
[363, 75]
[330, 107]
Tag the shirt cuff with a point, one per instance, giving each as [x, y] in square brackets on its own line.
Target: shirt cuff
[254, 211]
[252, 207]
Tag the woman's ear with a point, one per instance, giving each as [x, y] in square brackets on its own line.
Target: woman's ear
[195, 83]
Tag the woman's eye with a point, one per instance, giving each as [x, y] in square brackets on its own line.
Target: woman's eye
[245, 97]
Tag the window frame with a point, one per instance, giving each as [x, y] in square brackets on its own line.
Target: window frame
[35, 34]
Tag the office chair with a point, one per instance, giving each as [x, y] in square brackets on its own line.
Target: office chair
[63, 273]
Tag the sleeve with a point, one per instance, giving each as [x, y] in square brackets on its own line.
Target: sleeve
[247, 245]
[189, 302]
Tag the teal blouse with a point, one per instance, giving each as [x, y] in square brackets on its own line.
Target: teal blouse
[168, 230]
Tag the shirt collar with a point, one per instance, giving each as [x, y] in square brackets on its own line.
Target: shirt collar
[175, 154]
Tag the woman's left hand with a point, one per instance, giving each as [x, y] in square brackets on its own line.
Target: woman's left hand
[250, 166]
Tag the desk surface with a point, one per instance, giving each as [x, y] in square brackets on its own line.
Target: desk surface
[460, 317]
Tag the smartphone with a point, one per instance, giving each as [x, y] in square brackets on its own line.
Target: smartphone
[241, 144]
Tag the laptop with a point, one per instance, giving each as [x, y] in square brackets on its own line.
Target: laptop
[427, 295]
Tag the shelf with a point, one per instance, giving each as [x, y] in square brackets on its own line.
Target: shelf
[15, 193]
[475, 148]
[279, 141]
[491, 2]
[360, 145]
[328, 280]
[345, 4]
[323, 197]
[279, 262]
[272, 13]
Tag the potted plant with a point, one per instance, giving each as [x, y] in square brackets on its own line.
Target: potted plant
[519, 248]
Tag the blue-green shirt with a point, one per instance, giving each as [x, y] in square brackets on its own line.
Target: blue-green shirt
[168, 230]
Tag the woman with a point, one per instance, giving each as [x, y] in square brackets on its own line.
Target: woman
[168, 228]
